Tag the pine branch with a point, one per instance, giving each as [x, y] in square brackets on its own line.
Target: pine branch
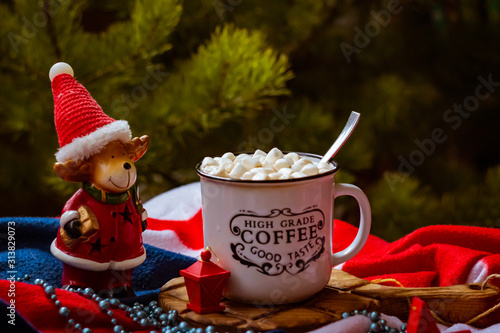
[126, 62]
[220, 87]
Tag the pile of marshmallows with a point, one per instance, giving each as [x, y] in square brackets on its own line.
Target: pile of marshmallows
[262, 166]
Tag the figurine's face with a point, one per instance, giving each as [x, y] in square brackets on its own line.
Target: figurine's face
[113, 168]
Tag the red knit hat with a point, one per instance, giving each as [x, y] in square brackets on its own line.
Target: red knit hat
[82, 127]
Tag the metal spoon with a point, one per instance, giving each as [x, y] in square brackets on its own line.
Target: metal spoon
[344, 135]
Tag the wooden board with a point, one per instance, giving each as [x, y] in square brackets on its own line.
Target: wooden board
[344, 293]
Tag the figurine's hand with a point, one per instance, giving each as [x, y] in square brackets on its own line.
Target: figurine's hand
[78, 225]
[72, 228]
[144, 223]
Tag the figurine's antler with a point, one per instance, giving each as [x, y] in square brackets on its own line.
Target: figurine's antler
[72, 171]
[138, 146]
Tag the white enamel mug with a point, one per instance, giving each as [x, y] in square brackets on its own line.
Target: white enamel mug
[275, 236]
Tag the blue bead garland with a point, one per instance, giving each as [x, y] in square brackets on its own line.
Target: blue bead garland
[147, 315]
[378, 324]
[153, 314]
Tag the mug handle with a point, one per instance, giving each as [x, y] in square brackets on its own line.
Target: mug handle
[365, 222]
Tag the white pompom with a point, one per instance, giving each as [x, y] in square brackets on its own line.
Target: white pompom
[60, 68]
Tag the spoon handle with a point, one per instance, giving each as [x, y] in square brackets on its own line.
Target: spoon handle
[344, 135]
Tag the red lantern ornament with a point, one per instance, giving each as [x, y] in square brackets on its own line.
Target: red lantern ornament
[420, 319]
[204, 283]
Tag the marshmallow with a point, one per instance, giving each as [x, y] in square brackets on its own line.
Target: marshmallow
[298, 174]
[275, 175]
[222, 160]
[273, 155]
[247, 175]
[285, 171]
[220, 172]
[310, 169]
[208, 161]
[229, 156]
[225, 163]
[240, 157]
[228, 167]
[266, 163]
[297, 166]
[305, 160]
[323, 165]
[237, 171]
[293, 156]
[250, 162]
[259, 153]
[262, 166]
[259, 176]
[210, 169]
[266, 171]
[283, 163]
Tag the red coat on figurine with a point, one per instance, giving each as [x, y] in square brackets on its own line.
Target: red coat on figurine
[100, 235]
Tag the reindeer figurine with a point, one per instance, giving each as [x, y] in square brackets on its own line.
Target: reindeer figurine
[100, 235]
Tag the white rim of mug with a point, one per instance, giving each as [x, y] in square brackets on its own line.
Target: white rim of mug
[272, 181]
